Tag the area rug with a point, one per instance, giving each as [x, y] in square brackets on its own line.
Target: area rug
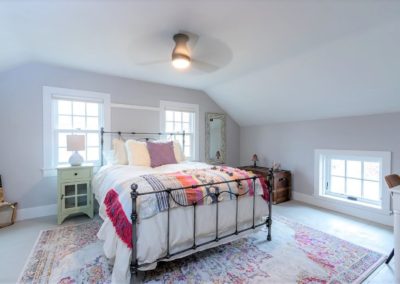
[296, 254]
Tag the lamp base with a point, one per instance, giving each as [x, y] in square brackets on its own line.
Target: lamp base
[76, 159]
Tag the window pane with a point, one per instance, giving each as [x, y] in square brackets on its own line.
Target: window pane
[92, 153]
[92, 109]
[82, 201]
[82, 188]
[92, 139]
[177, 116]
[371, 171]
[92, 123]
[186, 127]
[353, 187]
[177, 126]
[186, 117]
[79, 108]
[338, 167]
[337, 185]
[62, 139]
[169, 115]
[83, 154]
[64, 122]
[79, 122]
[63, 155]
[354, 169]
[371, 190]
[64, 107]
[169, 127]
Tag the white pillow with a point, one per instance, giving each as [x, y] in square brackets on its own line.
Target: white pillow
[120, 156]
[179, 155]
[138, 155]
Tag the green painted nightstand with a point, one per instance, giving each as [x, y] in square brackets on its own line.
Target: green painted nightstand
[74, 191]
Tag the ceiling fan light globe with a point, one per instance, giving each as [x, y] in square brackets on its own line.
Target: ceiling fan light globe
[180, 62]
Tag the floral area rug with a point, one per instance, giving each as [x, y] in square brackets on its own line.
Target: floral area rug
[296, 254]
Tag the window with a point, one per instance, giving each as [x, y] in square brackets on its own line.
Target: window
[353, 176]
[179, 117]
[72, 112]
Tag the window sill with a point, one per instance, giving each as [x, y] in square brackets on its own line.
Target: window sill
[355, 204]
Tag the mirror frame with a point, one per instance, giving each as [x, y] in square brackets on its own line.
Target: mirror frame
[222, 116]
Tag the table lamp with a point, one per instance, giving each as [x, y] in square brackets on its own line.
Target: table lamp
[255, 160]
[75, 143]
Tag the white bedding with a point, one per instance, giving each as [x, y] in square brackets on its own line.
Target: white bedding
[151, 232]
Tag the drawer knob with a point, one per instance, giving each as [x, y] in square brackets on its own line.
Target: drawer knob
[75, 174]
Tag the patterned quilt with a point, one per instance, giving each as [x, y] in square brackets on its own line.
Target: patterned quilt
[151, 204]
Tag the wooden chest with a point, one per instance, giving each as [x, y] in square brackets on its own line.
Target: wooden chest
[282, 186]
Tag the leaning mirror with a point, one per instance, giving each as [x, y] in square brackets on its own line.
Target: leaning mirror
[215, 138]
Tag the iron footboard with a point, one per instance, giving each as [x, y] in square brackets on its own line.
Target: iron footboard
[134, 266]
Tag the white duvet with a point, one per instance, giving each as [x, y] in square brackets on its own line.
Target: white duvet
[151, 232]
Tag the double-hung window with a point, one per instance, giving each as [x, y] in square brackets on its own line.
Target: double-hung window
[69, 112]
[353, 176]
[179, 117]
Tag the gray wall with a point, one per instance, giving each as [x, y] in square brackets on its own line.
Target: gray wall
[21, 122]
[293, 144]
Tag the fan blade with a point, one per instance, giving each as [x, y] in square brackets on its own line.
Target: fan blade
[204, 66]
[154, 62]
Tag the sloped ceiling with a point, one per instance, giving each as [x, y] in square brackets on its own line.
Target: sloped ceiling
[278, 60]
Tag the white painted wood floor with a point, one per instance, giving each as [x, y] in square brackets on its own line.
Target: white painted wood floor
[17, 240]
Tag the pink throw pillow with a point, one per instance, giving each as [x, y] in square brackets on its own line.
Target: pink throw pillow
[161, 153]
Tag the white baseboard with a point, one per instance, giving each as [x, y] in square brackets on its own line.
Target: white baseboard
[35, 212]
[344, 208]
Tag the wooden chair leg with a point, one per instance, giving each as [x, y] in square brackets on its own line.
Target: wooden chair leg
[390, 257]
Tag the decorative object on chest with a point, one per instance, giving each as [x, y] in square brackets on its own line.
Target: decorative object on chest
[74, 191]
[282, 182]
[7, 209]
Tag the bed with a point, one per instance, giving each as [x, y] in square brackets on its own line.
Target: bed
[153, 214]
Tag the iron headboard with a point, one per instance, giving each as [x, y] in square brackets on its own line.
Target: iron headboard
[133, 134]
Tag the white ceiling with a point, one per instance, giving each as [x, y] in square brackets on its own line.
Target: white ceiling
[280, 60]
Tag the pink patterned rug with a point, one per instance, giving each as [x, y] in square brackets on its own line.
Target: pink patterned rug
[296, 254]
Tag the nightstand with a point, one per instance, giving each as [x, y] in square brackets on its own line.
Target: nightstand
[282, 182]
[74, 191]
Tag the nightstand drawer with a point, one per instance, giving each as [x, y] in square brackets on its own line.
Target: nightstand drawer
[83, 173]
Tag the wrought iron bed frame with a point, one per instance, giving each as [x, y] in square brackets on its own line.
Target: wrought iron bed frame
[134, 265]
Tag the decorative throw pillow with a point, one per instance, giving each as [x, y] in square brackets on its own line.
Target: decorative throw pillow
[161, 153]
[138, 155]
[179, 155]
[120, 157]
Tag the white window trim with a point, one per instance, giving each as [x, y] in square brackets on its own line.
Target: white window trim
[319, 182]
[49, 169]
[178, 106]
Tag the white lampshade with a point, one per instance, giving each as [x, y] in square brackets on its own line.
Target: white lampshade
[75, 142]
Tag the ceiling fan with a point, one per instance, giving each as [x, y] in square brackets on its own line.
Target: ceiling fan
[181, 57]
